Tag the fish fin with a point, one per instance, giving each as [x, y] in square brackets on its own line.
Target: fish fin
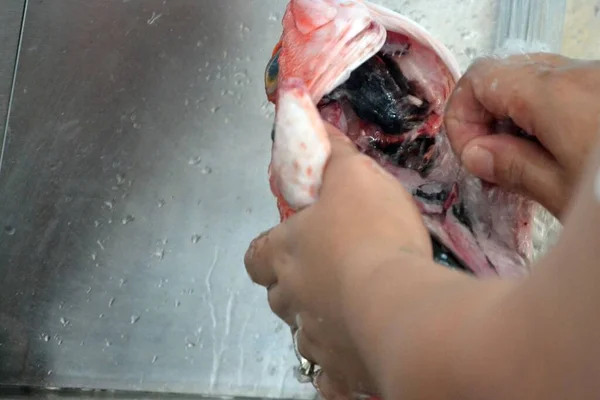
[301, 147]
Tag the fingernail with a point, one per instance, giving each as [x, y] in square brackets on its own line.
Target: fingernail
[479, 161]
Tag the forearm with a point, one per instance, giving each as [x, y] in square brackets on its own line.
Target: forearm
[435, 334]
[409, 326]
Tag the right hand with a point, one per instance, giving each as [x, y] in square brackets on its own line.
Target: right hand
[554, 98]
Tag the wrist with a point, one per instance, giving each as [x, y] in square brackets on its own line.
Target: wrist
[407, 318]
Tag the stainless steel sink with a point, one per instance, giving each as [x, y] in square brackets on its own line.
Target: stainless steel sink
[133, 178]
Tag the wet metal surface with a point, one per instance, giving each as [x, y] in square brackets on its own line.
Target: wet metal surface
[134, 177]
[11, 13]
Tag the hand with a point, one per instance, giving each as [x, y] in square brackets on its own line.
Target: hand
[551, 97]
[316, 263]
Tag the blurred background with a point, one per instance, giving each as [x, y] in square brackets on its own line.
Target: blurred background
[136, 139]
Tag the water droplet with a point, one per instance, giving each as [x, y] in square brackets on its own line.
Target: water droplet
[161, 203]
[199, 43]
[196, 238]
[63, 321]
[177, 303]
[96, 224]
[110, 204]
[136, 125]
[111, 302]
[154, 358]
[46, 338]
[93, 256]
[127, 219]
[206, 170]
[190, 345]
[134, 319]
[59, 342]
[120, 179]
[107, 343]
[214, 109]
[9, 230]
[159, 253]
[122, 282]
[101, 316]
[88, 290]
[194, 160]
[470, 52]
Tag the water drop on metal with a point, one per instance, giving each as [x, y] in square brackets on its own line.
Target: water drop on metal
[194, 161]
[10, 230]
[196, 238]
[127, 219]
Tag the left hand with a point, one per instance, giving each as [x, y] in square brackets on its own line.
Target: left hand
[316, 263]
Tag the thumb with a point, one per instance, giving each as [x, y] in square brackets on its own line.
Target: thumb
[341, 145]
[518, 165]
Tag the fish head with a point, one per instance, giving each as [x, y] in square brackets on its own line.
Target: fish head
[322, 42]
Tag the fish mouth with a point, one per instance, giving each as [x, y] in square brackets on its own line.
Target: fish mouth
[394, 115]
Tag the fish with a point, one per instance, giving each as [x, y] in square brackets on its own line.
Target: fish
[384, 81]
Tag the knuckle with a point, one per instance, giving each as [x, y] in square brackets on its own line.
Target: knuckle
[512, 174]
[278, 303]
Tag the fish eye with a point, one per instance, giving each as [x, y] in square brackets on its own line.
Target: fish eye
[272, 74]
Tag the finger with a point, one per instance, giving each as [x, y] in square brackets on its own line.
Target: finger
[330, 389]
[260, 256]
[518, 165]
[306, 347]
[344, 158]
[341, 145]
[281, 303]
[494, 89]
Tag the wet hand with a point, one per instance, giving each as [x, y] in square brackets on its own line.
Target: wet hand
[549, 96]
[315, 263]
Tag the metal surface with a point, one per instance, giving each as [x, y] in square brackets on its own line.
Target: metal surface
[134, 177]
[538, 23]
[11, 15]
